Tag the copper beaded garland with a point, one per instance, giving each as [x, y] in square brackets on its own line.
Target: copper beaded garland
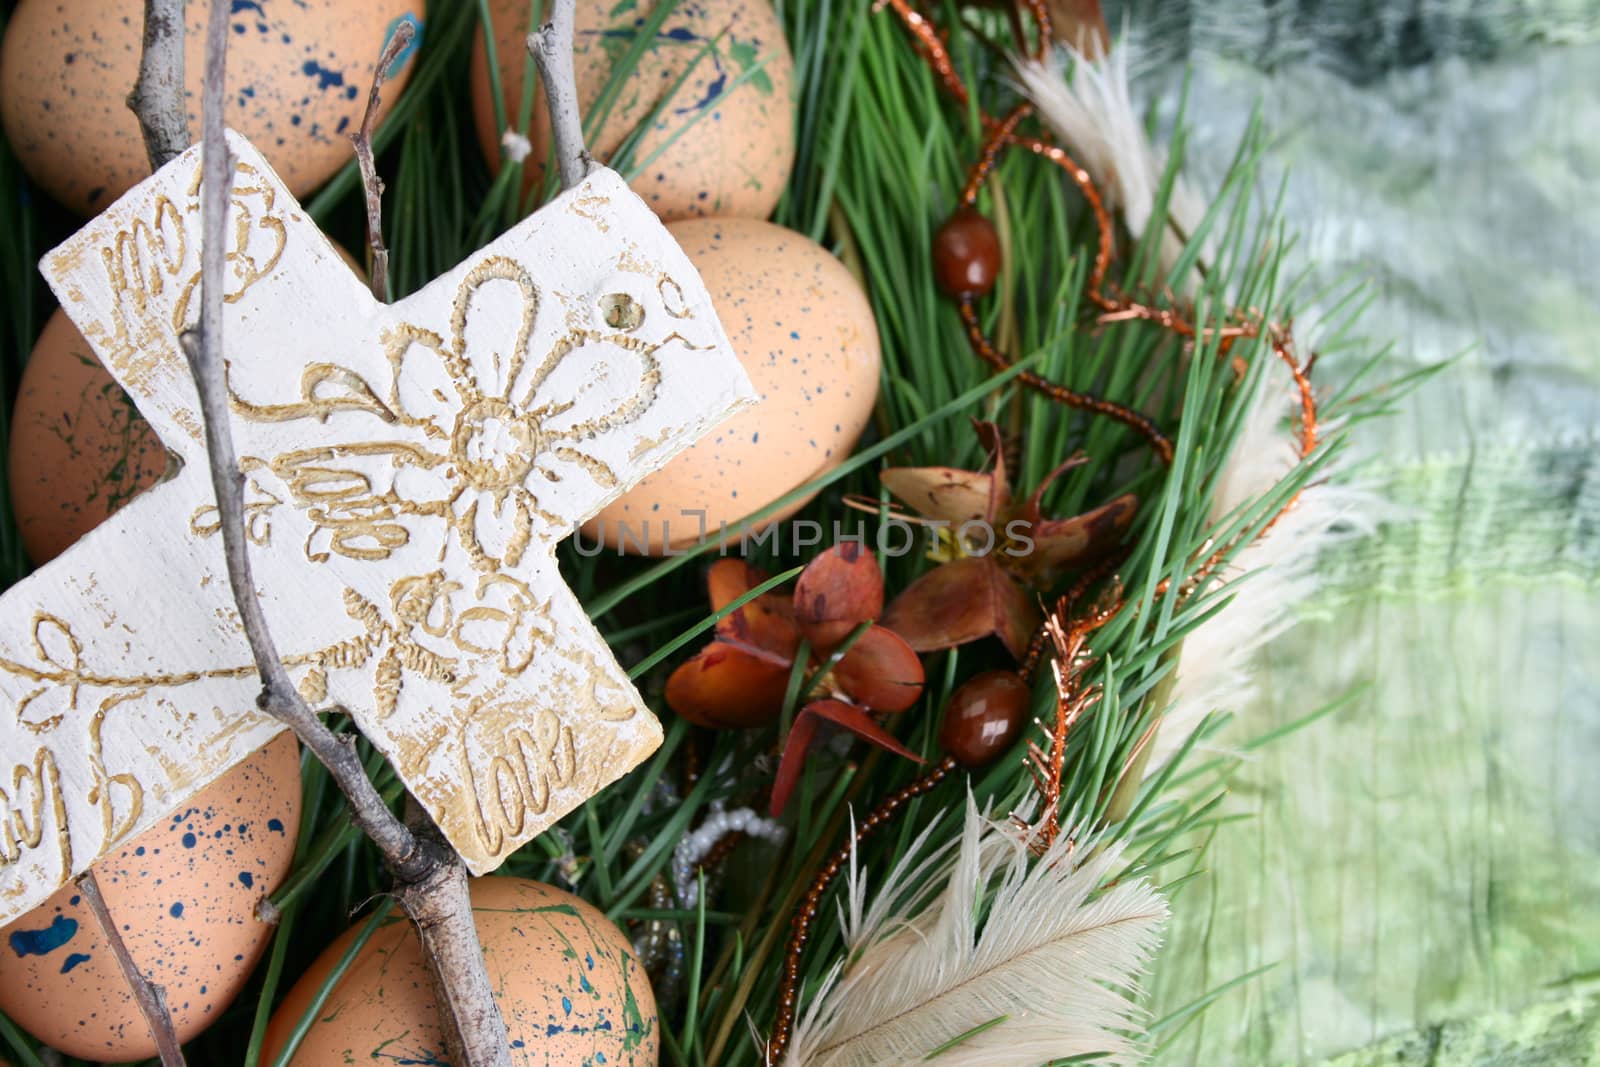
[966, 254]
[983, 717]
[800, 925]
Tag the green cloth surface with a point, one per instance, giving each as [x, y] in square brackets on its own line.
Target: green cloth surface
[1426, 853]
[1420, 869]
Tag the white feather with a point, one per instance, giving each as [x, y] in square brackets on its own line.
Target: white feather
[1271, 578]
[1059, 956]
[908, 886]
[1089, 106]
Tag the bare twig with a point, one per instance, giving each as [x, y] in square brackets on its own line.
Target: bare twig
[430, 880]
[150, 998]
[362, 139]
[157, 101]
[157, 97]
[551, 47]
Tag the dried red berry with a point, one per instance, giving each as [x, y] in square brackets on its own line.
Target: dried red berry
[966, 254]
[983, 717]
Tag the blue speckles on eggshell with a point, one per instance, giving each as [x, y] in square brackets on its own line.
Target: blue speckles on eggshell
[43, 941]
[72, 960]
[326, 78]
[713, 92]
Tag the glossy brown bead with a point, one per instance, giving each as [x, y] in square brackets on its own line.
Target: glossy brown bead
[966, 254]
[983, 717]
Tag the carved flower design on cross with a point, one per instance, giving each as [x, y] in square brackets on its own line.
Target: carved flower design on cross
[500, 427]
[509, 425]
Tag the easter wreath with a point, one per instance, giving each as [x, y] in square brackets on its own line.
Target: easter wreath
[1031, 411]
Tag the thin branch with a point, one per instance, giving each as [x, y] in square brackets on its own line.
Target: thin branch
[157, 97]
[551, 47]
[431, 882]
[150, 998]
[203, 346]
[157, 101]
[362, 139]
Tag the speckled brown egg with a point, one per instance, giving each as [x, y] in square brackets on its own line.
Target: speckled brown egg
[567, 983]
[184, 894]
[298, 74]
[804, 331]
[79, 448]
[725, 135]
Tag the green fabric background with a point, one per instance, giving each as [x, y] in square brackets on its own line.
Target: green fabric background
[1421, 869]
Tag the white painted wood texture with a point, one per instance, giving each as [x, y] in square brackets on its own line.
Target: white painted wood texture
[410, 470]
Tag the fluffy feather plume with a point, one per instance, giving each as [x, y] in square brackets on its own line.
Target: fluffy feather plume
[1088, 104]
[1268, 579]
[1053, 959]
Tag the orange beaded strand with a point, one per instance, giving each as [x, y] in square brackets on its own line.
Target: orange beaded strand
[1060, 393]
[999, 133]
[800, 928]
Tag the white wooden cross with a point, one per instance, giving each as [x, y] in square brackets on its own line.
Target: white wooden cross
[410, 470]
